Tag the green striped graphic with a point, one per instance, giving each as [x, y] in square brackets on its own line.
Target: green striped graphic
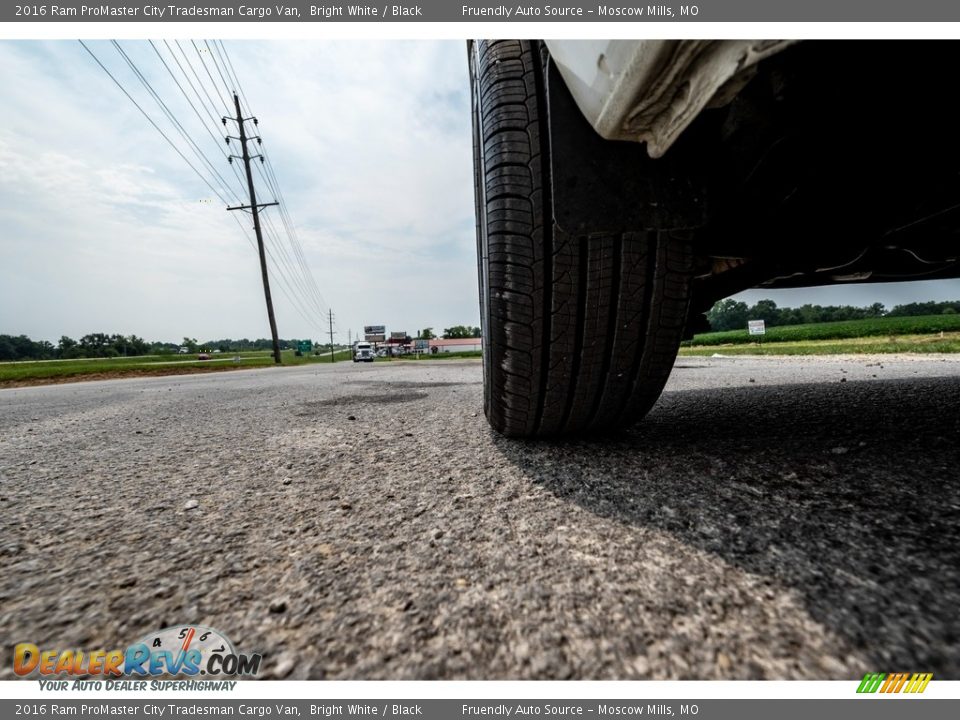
[871, 682]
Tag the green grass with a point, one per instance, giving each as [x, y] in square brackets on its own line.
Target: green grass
[891, 327]
[173, 364]
[950, 343]
[444, 355]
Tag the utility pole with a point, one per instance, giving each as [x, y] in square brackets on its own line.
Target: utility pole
[331, 335]
[254, 208]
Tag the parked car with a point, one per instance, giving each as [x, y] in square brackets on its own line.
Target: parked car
[203, 356]
[624, 186]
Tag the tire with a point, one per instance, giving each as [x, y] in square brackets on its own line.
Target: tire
[580, 332]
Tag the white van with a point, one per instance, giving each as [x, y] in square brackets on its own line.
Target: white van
[363, 351]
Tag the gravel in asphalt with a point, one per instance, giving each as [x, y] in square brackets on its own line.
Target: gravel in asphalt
[771, 518]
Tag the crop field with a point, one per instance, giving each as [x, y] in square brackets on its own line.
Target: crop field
[52, 371]
[949, 343]
[893, 328]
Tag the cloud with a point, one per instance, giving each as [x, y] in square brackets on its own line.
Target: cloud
[106, 228]
[371, 145]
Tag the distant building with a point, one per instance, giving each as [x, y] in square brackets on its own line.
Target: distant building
[455, 345]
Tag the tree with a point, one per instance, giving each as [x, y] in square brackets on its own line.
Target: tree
[97, 345]
[67, 347]
[728, 315]
[7, 349]
[765, 310]
[190, 344]
[876, 310]
[458, 331]
[139, 345]
[426, 334]
[45, 350]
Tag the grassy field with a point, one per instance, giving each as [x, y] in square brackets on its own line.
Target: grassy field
[927, 334]
[46, 371]
[949, 343]
[441, 356]
[889, 327]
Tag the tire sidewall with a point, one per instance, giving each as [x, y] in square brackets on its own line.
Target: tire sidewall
[483, 270]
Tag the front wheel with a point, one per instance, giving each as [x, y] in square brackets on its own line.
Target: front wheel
[580, 332]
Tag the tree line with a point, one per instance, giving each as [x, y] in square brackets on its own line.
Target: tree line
[457, 331]
[732, 314]
[104, 345]
[726, 314]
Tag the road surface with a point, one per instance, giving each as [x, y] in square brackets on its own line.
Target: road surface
[771, 518]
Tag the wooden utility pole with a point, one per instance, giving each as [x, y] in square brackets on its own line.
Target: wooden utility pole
[330, 314]
[255, 210]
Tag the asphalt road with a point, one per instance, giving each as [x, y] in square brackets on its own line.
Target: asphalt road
[769, 519]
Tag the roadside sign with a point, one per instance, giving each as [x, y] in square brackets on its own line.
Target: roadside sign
[304, 346]
[756, 327]
[375, 333]
[398, 335]
[421, 344]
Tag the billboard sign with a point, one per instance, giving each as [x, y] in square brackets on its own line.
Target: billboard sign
[374, 333]
[398, 336]
[756, 327]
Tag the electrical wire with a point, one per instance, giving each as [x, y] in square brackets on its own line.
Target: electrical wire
[150, 120]
[282, 282]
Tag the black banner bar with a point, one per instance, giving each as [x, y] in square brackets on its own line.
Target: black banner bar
[159, 707]
[473, 11]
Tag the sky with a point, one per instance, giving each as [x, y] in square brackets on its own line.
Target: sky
[105, 228]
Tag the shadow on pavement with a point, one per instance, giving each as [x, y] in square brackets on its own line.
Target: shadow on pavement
[847, 493]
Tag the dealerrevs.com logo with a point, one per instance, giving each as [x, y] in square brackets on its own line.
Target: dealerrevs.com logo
[910, 683]
[189, 650]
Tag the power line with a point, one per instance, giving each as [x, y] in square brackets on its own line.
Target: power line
[286, 288]
[297, 260]
[236, 78]
[212, 81]
[192, 106]
[291, 230]
[150, 120]
[226, 85]
[176, 123]
[303, 284]
[302, 289]
[274, 185]
[200, 83]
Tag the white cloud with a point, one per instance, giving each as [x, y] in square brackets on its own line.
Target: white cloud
[110, 231]
[107, 229]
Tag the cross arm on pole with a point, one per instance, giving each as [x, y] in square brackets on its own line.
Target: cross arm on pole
[250, 207]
